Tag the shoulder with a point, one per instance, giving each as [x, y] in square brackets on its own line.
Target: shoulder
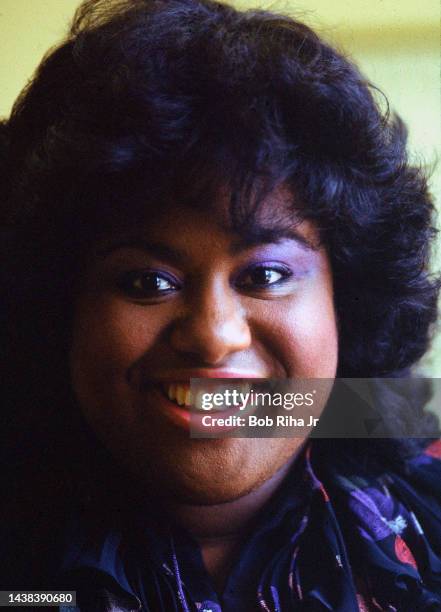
[391, 521]
[415, 482]
[419, 484]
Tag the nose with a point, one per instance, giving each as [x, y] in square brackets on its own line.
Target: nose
[214, 325]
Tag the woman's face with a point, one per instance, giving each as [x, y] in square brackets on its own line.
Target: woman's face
[186, 297]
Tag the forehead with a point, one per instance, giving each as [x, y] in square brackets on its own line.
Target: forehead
[259, 219]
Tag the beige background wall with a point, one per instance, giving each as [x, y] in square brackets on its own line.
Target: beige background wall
[396, 42]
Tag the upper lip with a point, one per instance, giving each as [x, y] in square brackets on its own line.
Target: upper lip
[186, 375]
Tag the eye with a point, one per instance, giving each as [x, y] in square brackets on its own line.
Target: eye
[262, 276]
[146, 283]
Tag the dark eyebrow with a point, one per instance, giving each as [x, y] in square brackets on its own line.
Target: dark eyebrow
[262, 235]
[159, 250]
[249, 239]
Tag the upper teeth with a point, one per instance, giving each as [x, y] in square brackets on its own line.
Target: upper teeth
[180, 393]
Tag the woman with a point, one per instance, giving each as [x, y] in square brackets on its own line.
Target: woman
[196, 192]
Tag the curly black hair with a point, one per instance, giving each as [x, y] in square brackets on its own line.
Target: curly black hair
[147, 99]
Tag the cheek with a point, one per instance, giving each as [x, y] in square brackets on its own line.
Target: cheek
[314, 340]
[109, 337]
[303, 332]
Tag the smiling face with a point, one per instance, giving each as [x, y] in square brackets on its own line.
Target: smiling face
[183, 297]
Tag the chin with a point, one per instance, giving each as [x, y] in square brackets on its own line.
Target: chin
[214, 479]
[209, 493]
[209, 472]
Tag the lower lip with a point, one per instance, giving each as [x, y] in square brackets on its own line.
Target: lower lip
[188, 420]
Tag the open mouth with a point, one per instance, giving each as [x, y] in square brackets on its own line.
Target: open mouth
[180, 394]
[184, 405]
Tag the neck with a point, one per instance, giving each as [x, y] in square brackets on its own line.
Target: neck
[217, 521]
[221, 529]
